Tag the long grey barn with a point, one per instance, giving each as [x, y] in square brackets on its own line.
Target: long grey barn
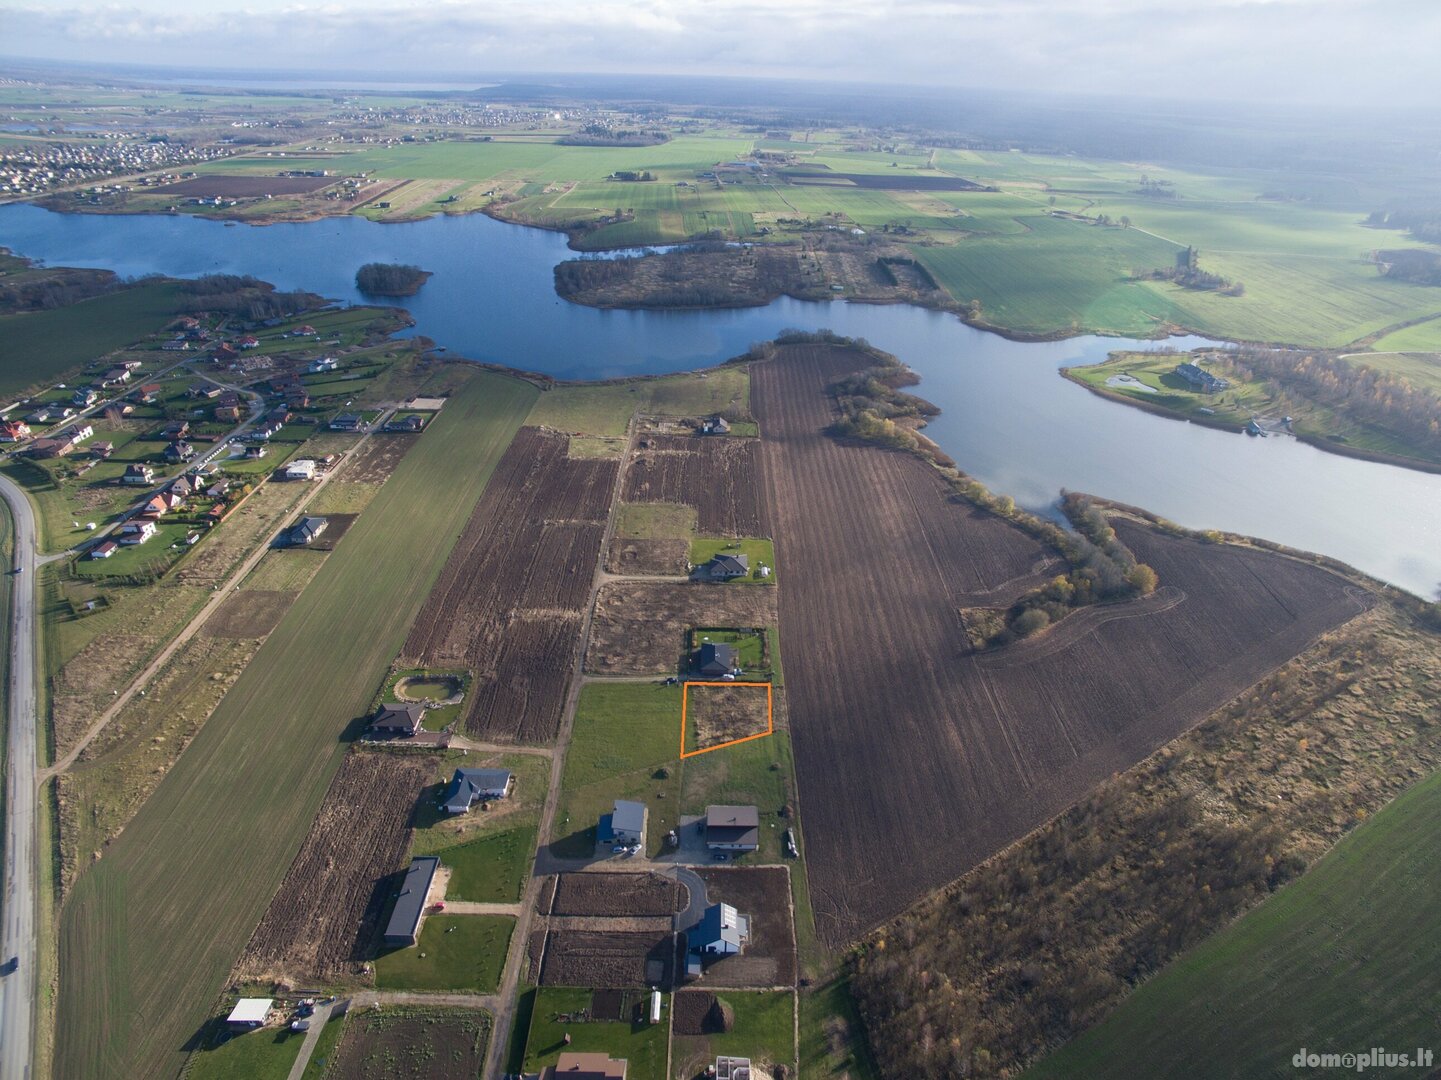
[404, 925]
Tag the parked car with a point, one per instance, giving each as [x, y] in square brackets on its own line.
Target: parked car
[721, 856]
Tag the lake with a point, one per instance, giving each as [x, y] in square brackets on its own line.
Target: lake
[1007, 417]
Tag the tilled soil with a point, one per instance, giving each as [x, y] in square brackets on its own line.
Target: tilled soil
[917, 759]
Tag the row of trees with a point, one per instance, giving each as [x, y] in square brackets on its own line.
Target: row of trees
[57, 289]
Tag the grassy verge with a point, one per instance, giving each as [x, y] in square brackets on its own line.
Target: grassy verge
[606, 409]
[319, 1063]
[642, 1045]
[1342, 960]
[128, 927]
[833, 1041]
[455, 953]
[520, 1029]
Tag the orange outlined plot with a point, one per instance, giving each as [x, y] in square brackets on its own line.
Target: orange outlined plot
[684, 716]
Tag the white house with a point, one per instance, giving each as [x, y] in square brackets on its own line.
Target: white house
[304, 469]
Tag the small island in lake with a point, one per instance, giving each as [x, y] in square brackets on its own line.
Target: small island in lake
[390, 279]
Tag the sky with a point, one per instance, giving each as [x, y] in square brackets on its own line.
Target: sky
[1350, 52]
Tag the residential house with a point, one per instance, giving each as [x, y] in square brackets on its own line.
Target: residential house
[249, 342]
[176, 429]
[14, 431]
[115, 375]
[325, 363]
[218, 489]
[306, 531]
[722, 931]
[413, 422]
[179, 451]
[727, 567]
[715, 425]
[180, 345]
[303, 331]
[136, 532]
[347, 422]
[224, 354]
[732, 828]
[269, 429]
[182, 487]
[153, 507]
[49, 448]
[469, 786]
[714, 660]
[227, 413]
[625, 824]
[404, 925]
[1198, 378]
[254, 452]
[138, 473]
[147, 394]
[591, 1066]
[84, 397]
[301, 469]
[102, 450]
[398, 718]
[104, 549]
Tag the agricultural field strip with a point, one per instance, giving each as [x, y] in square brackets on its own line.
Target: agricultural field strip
[511, 599]
[926, 724]
[127, 930]
[505, 1013]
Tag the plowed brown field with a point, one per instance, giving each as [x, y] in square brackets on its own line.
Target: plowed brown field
[917, 759]
[716, 474]
[638, 627]
[509, 602]
[321, 925]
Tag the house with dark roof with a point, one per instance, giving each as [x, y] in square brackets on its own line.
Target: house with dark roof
[404, 925]
[625, 824]
[716, 660]
[306, 531]
[725, 567]
[347, 422]
[1198, 378]
[398, 718]
[138, 473]
[722, 931]
[732, 828]
[470, 786]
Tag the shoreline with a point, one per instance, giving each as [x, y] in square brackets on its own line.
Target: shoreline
[1378, 457]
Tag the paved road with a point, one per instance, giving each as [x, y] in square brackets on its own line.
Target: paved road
[17, 938]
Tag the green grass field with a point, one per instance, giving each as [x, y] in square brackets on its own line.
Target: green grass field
[764, 1031]
[455, 953]
[1341, 960]
[642, 1045]
[1421, 369]
[492, 869]
[606, 409]
[38, 346]
[832, 1038]
[266, 1054]
[654, 521]
[319, 1063]
[136, 976]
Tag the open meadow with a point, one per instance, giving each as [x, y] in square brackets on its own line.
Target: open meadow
[135, 977]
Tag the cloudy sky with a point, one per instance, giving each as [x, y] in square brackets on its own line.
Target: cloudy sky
[1344, 51]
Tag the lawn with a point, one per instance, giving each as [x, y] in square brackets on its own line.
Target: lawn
[266, 1054]
[1421, 369]
[126, 940]
[492, 869]
[38, 346]
[759, 552]
[755, 772]
[455, 953]
[625, 744]
[1343, 959]
[606, 409]
[764, 1031]
[642, 1045]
